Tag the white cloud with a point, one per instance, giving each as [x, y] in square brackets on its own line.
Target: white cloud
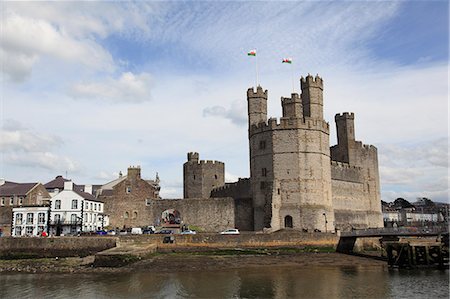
[23, 147]
[127, 88]
[25, 40]
[237, 112]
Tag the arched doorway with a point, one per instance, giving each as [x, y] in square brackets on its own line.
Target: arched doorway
[288, 221]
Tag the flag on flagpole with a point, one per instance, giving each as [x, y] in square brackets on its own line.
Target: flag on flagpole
[287, 60]
[252, 53]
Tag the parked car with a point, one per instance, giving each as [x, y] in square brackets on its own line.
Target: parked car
[125, 231]
[189, 232]
[164, 232]
[101, 232]
[136, 231]
[231, 231]
[147, 231]
[112, 232]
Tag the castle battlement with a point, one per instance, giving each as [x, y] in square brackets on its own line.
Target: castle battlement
[311, 81]
[344, 115]
[259, 93]
[290, 123]
[344, 165]
[366, 147]
[294, 98]
[211, 162]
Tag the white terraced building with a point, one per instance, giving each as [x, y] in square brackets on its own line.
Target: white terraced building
[73, 211]
[30, 221]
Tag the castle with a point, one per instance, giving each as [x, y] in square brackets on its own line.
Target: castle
[296, 179]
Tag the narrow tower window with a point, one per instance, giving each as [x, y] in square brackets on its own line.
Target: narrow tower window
[264, 172]
[262, 144]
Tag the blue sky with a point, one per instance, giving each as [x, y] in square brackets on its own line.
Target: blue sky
[93, 87]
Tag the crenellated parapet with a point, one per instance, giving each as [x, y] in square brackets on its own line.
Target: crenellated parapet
[258, 93]
[311, 81]
[346, 172]
[286, 123]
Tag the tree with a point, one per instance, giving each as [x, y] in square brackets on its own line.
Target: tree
[402, 203]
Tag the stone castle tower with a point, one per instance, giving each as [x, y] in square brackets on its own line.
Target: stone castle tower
[200, 176]
[296, 179]
[290, 161]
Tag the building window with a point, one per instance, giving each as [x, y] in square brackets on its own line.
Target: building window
[74, 204]
[20, 201]
[29, 218]
[19, 218]
[95, 207]
[264, 172]
[57, 204]
[73, 218]
[91, 206]
[86, 206]
[3, 201]
[262, 144]
[41, 218]
[128, 190]
[134, 215]
[278, 191]
[126, 215]
[100, 207]
[11, 200]
[194, 177]
[40, 229]
[215, 176]
[29, 230]
[57, 218]
[262, 185]
[85, 217]
[18, 230]
[148, 201]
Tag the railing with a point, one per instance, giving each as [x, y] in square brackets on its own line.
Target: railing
[433, 230]
[65, 222]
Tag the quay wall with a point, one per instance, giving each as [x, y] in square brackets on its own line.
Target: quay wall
[11, 248]
[207, 241]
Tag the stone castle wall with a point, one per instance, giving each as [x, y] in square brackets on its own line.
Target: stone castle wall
[243, 203]
[211, 215]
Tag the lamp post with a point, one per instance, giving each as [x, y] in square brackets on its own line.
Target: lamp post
[325, 215]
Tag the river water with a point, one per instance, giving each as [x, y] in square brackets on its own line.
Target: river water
[267, 282]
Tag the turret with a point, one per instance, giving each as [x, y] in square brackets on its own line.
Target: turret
[312, 96]
[257, 106]
[292, 107]
[345, 125]
[192, 157]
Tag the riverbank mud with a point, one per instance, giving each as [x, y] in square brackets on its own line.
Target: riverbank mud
[164, 263]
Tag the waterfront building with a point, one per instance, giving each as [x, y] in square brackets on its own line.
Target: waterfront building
[73, 211]
[30, 221]
[14, 194]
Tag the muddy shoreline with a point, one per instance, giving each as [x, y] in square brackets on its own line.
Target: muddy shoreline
[165, 263]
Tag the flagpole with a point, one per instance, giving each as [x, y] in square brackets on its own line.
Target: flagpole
[292, 78]
[256, 67]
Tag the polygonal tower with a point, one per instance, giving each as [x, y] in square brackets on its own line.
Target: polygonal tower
[200, 176]
[290, 162]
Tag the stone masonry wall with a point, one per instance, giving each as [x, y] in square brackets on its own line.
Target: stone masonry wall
[130, 209]
[53, 247]
[212, 215]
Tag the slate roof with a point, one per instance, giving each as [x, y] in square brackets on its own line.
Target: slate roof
[87, 196]
[18, 189]
[58, 182]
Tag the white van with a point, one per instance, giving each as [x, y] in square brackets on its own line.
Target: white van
[136, 231]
